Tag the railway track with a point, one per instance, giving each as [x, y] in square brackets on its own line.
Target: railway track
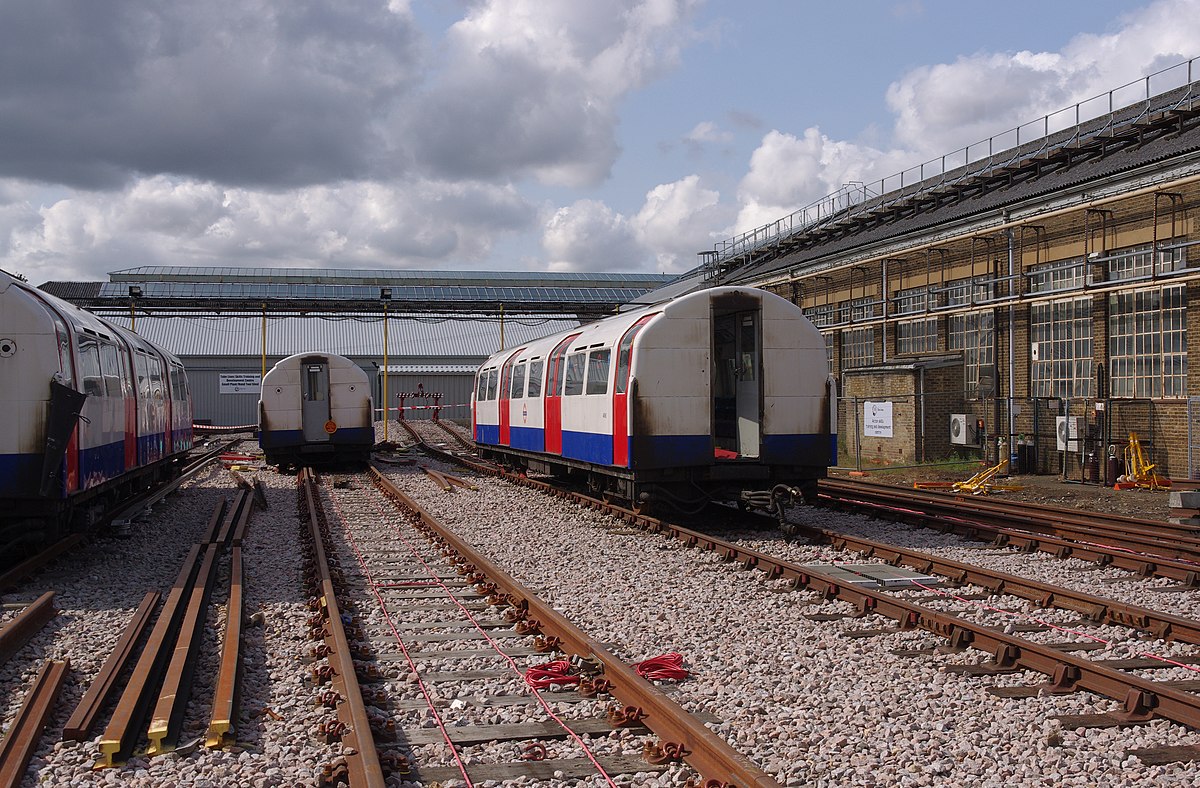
[1107, 625]
[1144, 547]
[454, 625]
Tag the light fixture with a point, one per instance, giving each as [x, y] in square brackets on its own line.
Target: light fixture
[135, 291]
[385, 294]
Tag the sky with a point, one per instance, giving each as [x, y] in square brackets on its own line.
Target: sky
[506, 135]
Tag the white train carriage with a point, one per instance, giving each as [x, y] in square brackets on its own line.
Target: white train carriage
[93, 412]
[721, 394]
[316, 408]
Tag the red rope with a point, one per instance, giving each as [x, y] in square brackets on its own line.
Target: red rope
[556, 672]
[666, 667]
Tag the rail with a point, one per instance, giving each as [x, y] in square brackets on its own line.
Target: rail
[28, 623]
[21, 740]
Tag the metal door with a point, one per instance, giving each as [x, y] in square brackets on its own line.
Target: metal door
[314, 399]
[749, 384]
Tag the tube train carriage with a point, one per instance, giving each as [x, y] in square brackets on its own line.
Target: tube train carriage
[93, 413]
[723, 394]
[315, 408]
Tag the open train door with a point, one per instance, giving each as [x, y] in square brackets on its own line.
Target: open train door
[737, 392]
[314, 398]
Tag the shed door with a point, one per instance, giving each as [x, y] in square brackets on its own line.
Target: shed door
[314, 396]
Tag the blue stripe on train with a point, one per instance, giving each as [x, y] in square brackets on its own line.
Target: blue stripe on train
[527, 438]
[101, 463]
[588, 446]
[799, 450]
[488, 434]
[343, 436]
[20, 476]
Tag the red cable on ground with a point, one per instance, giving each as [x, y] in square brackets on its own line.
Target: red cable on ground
[556, 672]
[665, 667]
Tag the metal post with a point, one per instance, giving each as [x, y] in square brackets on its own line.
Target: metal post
[502, 326]
[385, 371]
[857, 439]
[263, 374]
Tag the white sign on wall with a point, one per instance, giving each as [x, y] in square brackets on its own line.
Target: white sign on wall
[877, 419]
[240, 382]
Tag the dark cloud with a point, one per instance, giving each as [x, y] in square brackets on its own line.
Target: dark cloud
[271, 94]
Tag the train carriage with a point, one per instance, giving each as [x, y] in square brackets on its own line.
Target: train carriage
[722, 394]
[93, 413]
[316, 408]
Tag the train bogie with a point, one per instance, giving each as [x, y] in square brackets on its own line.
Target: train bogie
[720, 394]
[316, 408]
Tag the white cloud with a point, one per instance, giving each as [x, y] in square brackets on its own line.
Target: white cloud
[590, 236]
[678, 220]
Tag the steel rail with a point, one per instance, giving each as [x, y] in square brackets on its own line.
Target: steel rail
[88, 708]
[227, 692]
[1185, 572]
[17, 632]
[1176, 547]
[708, 753]
[365, 770]
[167, 718]
[21, 740]
[193, 467]
[1095, 608]
[116, 743]
[1141, 698]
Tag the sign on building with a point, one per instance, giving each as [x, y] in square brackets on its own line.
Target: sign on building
[877, 419]
[240, 382]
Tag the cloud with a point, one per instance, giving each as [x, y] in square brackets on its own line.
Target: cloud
[282, 93]
[590, 236]
[161, 221]
[532, 86]
[678, 220]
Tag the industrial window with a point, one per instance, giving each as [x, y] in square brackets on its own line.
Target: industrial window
[823, 315]
[535, 378]
[1060, 275]
[912, 300]
[597, 373]
[858, 347]
[576, 364]
[829, 348]
[1060, 348]
[971, 290]
[858, 309]
[916, 336]
[1139, 261]
[518, 382]
[974, 334]
[1147, 342]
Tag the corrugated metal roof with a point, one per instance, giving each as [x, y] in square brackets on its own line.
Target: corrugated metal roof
[357, 276]
[430, 369]
[346, 335]
[71, 290]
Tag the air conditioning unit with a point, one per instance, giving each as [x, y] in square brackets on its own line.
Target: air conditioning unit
[963, 431]
[1066, 433]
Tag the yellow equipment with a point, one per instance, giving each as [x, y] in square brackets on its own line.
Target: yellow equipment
[979, 484]
[1138, 471]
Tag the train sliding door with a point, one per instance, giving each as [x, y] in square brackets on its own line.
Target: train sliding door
[737, 384]
[553, 396]
[314, 398]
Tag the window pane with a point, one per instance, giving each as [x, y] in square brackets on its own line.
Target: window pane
[597, 374]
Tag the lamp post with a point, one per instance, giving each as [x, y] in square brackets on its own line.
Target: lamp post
[385, 295]
[135, 292]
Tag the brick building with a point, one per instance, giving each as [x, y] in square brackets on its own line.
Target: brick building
[1058, 273]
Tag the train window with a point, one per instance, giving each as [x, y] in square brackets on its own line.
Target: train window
[518, 382]
[535, 378]
[505, 374]
[89, 366]
[576, 364]
[749, 343]
[156, 378]
[625, 352]
[480, 385]
[554, 386]
[489, 392]
[597, 373]
[110, 364]
[143, 376]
